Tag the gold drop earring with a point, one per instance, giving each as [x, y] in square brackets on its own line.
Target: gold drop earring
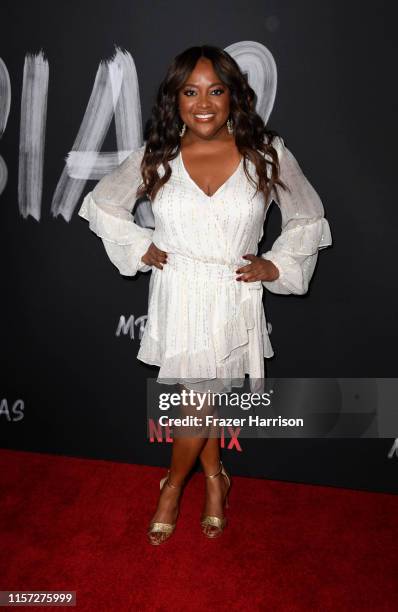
[182, 131]
[230, 126]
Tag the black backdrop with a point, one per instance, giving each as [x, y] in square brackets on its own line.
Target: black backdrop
[81, 388]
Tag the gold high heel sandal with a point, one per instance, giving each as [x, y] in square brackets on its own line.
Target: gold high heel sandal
[160, 532]
[213, 526]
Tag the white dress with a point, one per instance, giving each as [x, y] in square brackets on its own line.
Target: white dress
[205, 329]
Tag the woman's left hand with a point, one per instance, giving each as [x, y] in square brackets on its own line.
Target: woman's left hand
[259, 269]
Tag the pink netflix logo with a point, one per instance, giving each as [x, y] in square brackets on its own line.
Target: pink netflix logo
[228, 435]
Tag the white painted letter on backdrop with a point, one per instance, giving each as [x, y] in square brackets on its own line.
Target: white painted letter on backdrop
[5, 104]
[115, 93]
[32, 134]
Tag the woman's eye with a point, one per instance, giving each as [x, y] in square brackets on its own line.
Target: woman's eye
[188, 92]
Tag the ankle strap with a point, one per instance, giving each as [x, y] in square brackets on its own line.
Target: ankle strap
[216, 474]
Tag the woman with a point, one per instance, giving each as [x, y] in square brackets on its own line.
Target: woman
[210, 170]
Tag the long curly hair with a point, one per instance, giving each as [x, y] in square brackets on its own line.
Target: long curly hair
[162, 137]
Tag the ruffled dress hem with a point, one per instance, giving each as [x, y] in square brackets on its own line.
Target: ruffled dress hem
[232, 353]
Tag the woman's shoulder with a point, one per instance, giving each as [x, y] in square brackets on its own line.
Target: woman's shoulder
[124, 177]
[274, 139]
[131, 165]
[134, 159]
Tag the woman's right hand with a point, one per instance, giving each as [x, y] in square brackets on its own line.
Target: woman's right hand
[154, 257]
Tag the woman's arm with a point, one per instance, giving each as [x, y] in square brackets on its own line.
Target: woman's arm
[108, 210]
[304, 228]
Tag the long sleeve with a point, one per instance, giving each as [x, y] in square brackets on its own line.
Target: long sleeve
[108, 210]
[304, 228]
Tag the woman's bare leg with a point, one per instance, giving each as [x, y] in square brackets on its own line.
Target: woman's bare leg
[210, 456]
[185, 452]
[216, 488]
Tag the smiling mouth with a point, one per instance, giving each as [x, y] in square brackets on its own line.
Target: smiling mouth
[204, 116]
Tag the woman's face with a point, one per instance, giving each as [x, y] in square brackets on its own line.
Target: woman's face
[204, 94]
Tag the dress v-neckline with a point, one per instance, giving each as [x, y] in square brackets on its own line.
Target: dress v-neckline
[199, 188]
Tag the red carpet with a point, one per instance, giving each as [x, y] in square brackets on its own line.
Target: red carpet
[80, 524]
